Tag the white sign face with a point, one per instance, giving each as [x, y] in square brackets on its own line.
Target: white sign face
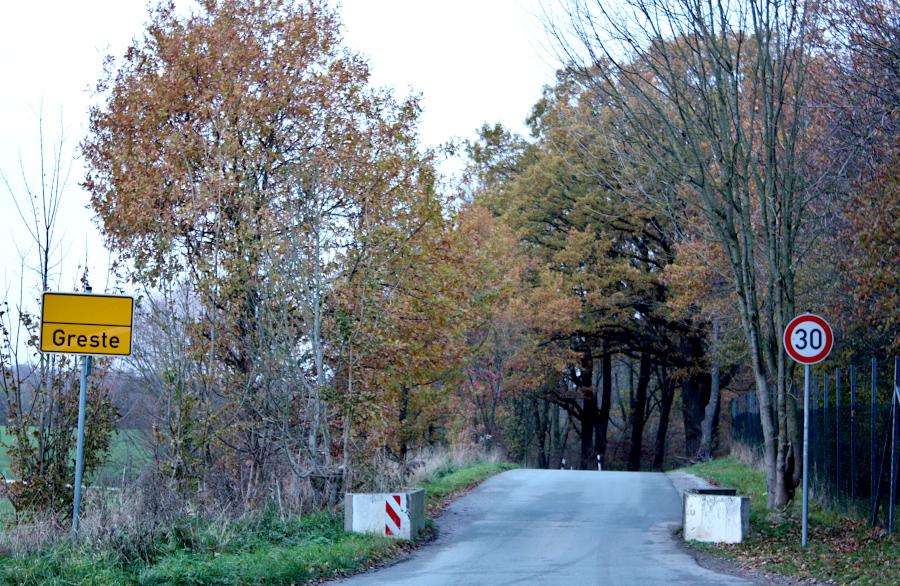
[808, 339]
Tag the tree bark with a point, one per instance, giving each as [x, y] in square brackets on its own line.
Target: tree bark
[588, 410]
[404, 413]
[695, 393]
[606, 399]
[542, 413]
[665, 409]
[712, 407]
[638, 410]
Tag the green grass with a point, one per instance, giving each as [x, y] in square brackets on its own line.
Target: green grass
[259, 549]
[128, 454]
[450, 481]
[841, 549]
[5, 439]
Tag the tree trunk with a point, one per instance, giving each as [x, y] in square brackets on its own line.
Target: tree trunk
[665, 409]
[638, 409]
[606, 399]
[404, 413]
[712, 407]
[709, 416]
[795, 430]
[695, 393]
[588, 410]
[542, 413]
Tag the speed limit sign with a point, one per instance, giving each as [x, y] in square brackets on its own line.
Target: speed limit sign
[808, 339]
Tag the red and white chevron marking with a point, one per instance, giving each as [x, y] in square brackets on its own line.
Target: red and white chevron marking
[392, 516]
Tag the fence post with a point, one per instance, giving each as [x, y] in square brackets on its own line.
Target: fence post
[873, 468]
[895, 437]
[837, 432]
[853, 434]
[826, 436]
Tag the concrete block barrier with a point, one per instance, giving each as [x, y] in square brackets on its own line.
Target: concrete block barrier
[395, 514]
[716, 515]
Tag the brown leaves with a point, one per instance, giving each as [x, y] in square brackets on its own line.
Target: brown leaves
[208, 120]
[842, 550]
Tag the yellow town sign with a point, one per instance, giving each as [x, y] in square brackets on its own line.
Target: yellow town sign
[80, 323]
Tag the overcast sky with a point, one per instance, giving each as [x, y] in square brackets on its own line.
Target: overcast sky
[472, 61]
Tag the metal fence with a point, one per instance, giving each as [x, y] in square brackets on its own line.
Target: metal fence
[854, 437]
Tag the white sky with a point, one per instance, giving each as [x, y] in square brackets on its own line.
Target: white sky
[473, 61]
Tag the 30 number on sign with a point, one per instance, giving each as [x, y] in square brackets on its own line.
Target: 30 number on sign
[816, 336]
[808, 339]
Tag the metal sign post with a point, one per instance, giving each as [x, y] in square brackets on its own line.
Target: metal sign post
[79, 453]
[808, 340]
[895, 438]
[805, 538]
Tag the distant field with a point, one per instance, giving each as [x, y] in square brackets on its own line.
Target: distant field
[129, 453]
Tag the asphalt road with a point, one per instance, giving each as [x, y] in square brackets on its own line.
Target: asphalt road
[556, 527]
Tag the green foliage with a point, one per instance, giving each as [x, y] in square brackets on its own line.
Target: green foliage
[841, 549]
[268, 550]
[40, 436]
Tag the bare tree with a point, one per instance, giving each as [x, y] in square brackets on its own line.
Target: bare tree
[41, 390]
[713, 94]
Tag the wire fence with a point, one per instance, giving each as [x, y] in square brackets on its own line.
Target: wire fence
[854, 437]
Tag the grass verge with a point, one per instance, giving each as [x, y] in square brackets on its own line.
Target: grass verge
[260, 549]
[452, 481]
[257, 550]
[841, 549]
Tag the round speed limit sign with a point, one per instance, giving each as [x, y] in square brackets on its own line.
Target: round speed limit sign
[808, 339]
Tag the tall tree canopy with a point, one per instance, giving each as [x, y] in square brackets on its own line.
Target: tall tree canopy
[242, 150]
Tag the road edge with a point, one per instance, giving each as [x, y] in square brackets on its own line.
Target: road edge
[429, 536]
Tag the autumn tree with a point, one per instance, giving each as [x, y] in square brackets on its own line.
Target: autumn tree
[700, 291]
[854, 81]
[596, 260]
[241, 150]
[715, 96]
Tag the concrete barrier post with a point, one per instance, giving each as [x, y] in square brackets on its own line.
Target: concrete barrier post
[716, 516]
[395, 514]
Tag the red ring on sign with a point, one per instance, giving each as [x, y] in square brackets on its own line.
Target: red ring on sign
[789, 330]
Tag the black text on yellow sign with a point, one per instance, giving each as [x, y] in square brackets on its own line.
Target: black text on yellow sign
[79, 323]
